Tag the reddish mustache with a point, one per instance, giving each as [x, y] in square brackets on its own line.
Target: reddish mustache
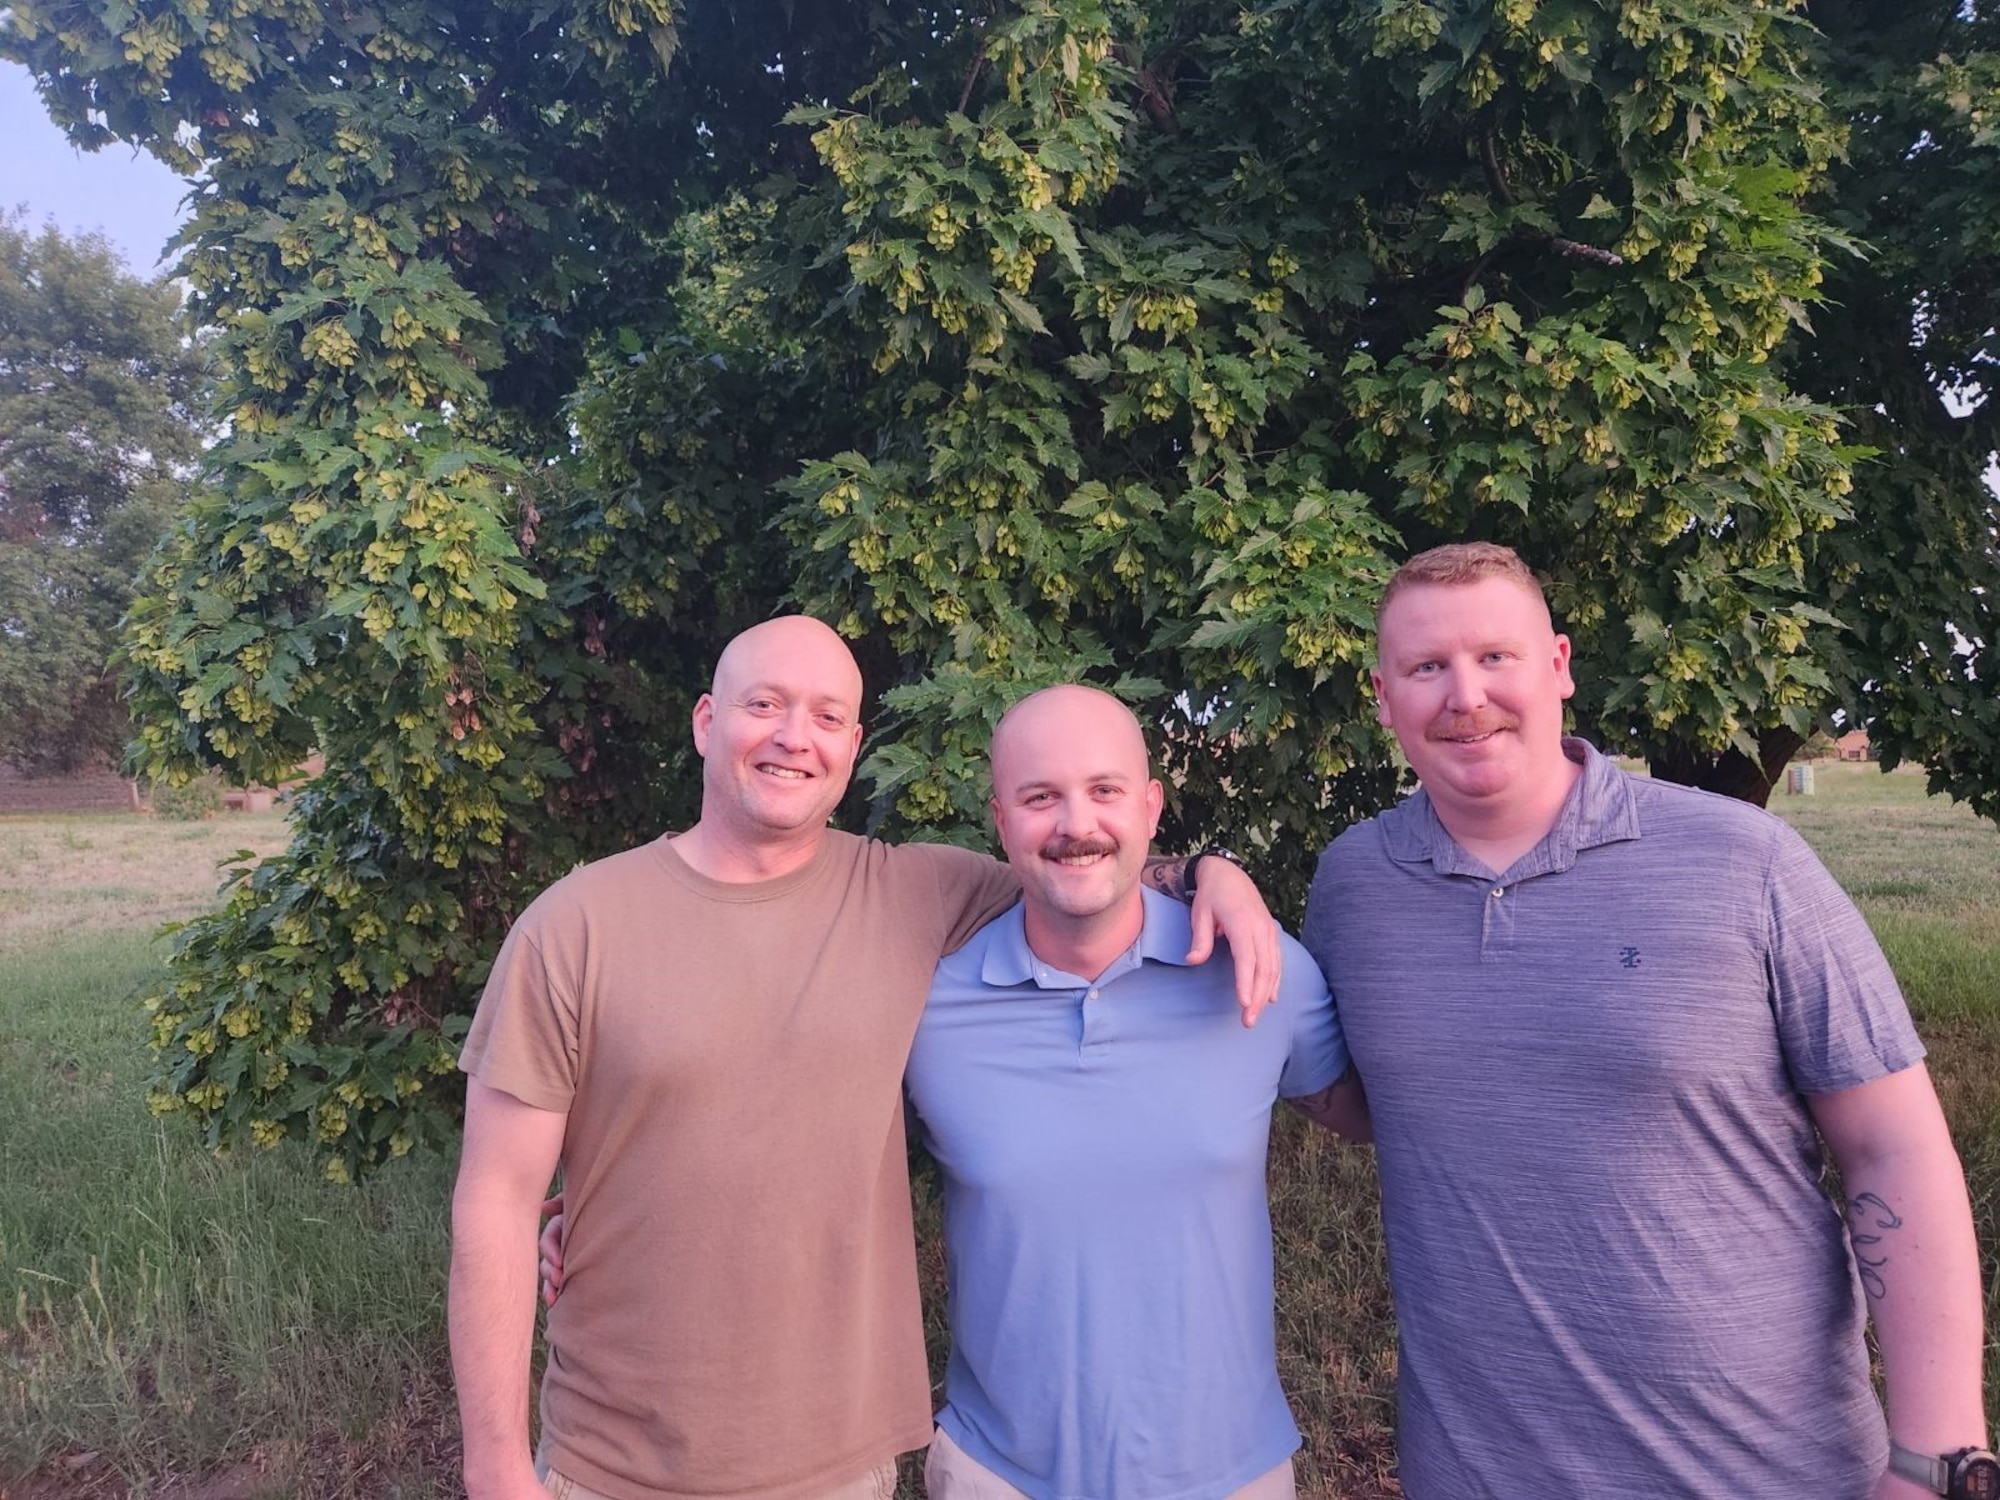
[1464, 726]
[1071, 848]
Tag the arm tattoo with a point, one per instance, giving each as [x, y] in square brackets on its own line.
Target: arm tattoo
[1169, 877]
[1869, 1221]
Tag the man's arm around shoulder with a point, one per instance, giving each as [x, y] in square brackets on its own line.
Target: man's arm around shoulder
[1910, 1224]
[511, 1151]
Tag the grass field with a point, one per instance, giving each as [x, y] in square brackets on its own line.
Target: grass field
[182, 1327]
[172, 1324]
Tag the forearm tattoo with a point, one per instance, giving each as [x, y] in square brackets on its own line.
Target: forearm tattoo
[1870, 1222]
[1169, 877]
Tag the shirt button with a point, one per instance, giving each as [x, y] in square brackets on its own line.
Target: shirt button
[1499, 891]
[1092, 995]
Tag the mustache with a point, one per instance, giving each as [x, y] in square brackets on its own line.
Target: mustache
[1072, 848]
[1464, 726]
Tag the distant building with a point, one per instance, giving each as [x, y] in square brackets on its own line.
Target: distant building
[96, 790]
[1853, 745]
[103, 790]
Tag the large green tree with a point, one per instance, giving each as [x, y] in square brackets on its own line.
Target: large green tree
[1132, 339]
[1909, 350]
[98, 438]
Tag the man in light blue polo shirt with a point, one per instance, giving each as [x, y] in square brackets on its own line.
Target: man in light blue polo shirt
[1100, 1115]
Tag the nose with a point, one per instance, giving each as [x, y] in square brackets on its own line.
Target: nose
[794, 731]
[1076, 816]
[1465, 689]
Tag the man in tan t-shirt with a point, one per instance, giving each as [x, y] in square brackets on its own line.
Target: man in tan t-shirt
[708, 1033]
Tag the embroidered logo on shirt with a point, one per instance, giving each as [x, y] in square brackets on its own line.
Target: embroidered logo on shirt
[1629, 957]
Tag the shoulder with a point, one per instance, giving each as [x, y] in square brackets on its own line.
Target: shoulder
[1669, 809]
[929, 861]
[608, 883]
[1301, 981]
[1360, 848]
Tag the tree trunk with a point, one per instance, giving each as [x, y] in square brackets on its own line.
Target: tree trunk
[1731, 772]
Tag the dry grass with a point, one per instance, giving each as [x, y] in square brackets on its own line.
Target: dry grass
[73, 876]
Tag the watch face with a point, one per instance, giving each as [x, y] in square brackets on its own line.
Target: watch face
[1978, 1479]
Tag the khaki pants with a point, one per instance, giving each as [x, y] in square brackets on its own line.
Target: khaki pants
[877, 1485]
[950, 1473]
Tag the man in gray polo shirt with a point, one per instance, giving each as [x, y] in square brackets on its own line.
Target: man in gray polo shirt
[1605, 1024]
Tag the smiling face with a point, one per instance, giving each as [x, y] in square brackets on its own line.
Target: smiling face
[1471, 677]
[778, 733]
[1076, 808]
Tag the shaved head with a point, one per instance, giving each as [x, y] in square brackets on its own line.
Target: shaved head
[1076, 807]
[1059, 710]
[798, 638]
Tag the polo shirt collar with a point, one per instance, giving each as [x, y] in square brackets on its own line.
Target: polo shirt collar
[1600, 809]
[1163, 938]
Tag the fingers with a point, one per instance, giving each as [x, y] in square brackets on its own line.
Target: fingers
[549, 1247]
[1260, 964]
[1202, 930]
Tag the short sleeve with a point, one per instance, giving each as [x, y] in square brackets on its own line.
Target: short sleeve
[524, 1036]
[972, 889]
[1840, 1015]
[1318, 1054]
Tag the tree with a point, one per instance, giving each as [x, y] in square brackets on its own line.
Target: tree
[1910, 353]
[1130, 339]
[97, 445]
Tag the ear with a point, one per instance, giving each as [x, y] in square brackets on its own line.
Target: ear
[1156, 801]
[1381, 701]
[1565, 682]
[704, 720]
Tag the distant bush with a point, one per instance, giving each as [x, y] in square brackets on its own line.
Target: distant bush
[194, 799]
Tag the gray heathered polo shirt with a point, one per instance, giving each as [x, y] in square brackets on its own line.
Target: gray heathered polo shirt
[1615, 1271]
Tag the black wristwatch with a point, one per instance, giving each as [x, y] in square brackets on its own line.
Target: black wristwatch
[1968, 1474]
[1203, 853]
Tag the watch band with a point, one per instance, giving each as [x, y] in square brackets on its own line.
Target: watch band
[1928, 1470]
[1219, 851]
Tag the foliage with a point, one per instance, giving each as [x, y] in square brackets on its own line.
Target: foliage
[1130, 338]
[188, 801]
[96, 440]
[1911, 354]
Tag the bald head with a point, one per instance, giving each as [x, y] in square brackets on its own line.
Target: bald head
[1068, 711]
[805, 646]
[777, 733]
[1076, 808]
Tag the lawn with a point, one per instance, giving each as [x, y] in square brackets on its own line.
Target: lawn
[173, 1325]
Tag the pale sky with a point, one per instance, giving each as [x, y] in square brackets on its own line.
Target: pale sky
[128, 197]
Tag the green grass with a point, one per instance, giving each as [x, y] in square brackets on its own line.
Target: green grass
[176, 1325]
[168, 1315]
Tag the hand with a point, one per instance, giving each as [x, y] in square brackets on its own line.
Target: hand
[551, 1246]
[1227, 904]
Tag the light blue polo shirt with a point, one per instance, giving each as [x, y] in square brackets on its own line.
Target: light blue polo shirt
[1106, 1231]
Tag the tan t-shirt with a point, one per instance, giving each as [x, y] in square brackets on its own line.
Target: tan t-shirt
[739, 1313]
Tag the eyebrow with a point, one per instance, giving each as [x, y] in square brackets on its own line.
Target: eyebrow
[817, 699]
[1121, 777]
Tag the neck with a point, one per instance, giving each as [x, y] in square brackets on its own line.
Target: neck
[709, 850]
[1083, 946]
[1496, 835]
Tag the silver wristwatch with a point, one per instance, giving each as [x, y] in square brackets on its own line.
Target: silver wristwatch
[1968, 1474]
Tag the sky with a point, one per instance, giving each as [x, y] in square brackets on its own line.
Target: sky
[128, 197]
